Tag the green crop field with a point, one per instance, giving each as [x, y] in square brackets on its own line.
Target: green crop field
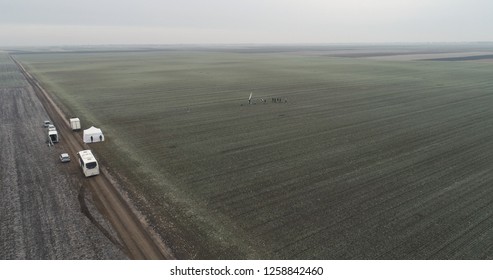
[362, 159]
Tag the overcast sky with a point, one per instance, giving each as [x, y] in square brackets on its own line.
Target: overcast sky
[89, 22]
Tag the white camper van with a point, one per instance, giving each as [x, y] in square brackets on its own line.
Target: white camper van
[88, 163]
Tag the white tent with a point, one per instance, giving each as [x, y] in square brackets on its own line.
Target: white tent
[93, 134]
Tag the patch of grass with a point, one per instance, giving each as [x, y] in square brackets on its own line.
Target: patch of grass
[367, 159]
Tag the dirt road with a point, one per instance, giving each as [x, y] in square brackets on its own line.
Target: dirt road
[134, 237]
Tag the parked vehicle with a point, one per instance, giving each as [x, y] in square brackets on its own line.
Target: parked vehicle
[51, 127]
[53, 135]
[75, 123]
[64, 157]
[88, 163]
[46, 123]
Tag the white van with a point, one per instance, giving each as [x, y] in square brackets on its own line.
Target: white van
[75, 124]
[53, 135]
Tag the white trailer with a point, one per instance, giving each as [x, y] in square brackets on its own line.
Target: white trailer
[75, 123]
[53, 135]
[88, 163]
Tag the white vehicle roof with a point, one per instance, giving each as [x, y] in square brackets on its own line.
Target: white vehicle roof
[87, 155]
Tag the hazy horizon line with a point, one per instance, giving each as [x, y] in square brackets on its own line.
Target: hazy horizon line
[396, 43]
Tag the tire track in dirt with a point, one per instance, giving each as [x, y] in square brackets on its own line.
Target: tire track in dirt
[135, 237]
[85, 210]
